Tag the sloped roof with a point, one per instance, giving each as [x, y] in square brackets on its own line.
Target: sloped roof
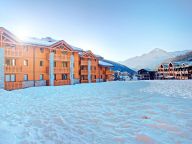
[41, 42]
[102, 63]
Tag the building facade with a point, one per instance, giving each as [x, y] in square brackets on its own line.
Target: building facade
[176, 70]
[46, 62]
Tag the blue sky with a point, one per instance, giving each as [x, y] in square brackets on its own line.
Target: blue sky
[115, 29]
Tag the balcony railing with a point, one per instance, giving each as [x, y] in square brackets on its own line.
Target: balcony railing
[61, 57]
[93, 71]
[61, 70]
[61, 82]
[84, 81]
[83, 62]
[13, 53]
[13, 85]
[84, 72]
[109, 72]
[13, 69]
[94, 63]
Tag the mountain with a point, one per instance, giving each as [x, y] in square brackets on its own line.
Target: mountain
[119, 67]
[152, 59]
[184, 57]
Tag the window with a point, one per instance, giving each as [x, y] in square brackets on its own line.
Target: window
[25, 77]
[64, 76]
[41, 76]
[25, 62]
[41, 63]
[54, 51]
[64, 64]
[54, 64]
[10, 62]
[64, 52]
[42, 50]
[7, 78]
[54, 76]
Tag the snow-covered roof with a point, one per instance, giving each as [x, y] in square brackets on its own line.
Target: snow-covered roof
[102, 63]
[42, 42]
[77, 48]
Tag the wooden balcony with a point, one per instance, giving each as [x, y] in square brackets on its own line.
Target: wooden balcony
[61, 82]
[61, 70]
[13, 85]
[13, 53]
[84, 81]
[13, 69]
[93, 80]
[109, 72]
[84, 72]
[61, 57]
[83, 62]
[94, 63]
[93, 71]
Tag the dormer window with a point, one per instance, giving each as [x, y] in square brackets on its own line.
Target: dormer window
[64, 52]
[42, 50]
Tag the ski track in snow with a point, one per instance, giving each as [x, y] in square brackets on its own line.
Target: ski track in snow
[138, 112]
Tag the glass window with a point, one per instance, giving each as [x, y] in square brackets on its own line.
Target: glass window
[54, 76]
[25, 77]
[42, 50]
[25, 62]
[64, 64]
[13, 78]
[7, 78]
[64, 76]
[10, 62]
[41, 76]
[54, 64]
[41, 63]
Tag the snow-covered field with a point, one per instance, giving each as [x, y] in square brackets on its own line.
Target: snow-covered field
[151, 112]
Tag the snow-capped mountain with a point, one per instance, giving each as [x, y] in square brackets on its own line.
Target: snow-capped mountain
[152, 59]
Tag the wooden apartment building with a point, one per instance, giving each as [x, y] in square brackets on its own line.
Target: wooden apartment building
[176, 70]
[41, 62]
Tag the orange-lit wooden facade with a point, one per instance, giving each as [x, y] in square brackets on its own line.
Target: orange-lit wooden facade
[28, 64]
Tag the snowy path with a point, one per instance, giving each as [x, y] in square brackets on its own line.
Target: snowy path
[148, 112]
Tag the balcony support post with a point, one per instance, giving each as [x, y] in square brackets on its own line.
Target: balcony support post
[2, 68]
[51, 69]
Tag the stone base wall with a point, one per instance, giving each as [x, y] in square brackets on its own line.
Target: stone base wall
[40, 83]
[27, 84]
[76, 81]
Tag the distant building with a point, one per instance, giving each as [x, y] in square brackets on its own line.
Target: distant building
[175, 70]
[146, 74]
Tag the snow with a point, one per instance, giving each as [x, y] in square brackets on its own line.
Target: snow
[146, 112]
[42, 42]
[105, 63]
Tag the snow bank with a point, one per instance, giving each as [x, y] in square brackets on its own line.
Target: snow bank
[113, 112]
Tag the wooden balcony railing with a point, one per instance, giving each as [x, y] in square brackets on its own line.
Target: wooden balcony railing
[61, 57]
[84, 81]
[13, 85]
[109, 72]
[61, 70]
[13, 69]
[61, 82]
[83, 62]
[93, 71]
[13, 53]
[94, 63]
[84, 72]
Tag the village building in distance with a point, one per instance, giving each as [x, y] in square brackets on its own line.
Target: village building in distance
[174, 70]
[47, 62]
